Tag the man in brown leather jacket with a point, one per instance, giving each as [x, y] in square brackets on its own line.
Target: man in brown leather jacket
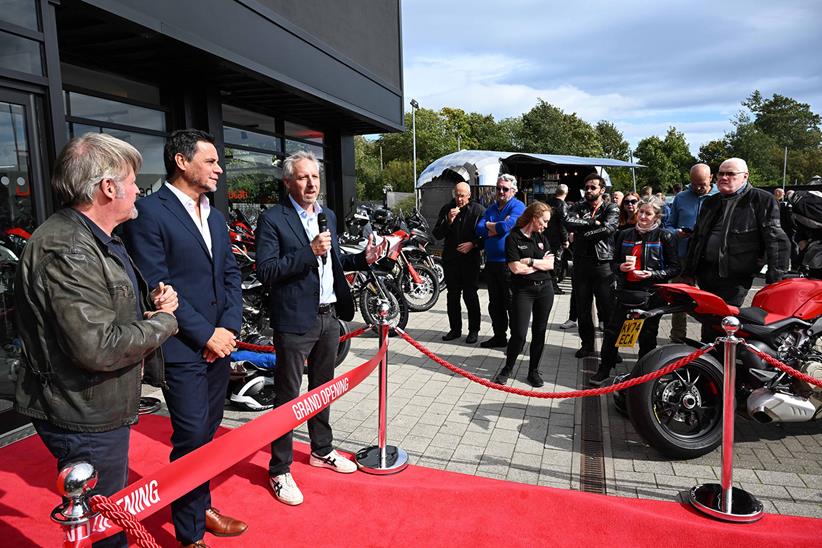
[87, 320]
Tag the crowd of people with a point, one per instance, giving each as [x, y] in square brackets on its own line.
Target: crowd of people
[718, 233]
[113, 292]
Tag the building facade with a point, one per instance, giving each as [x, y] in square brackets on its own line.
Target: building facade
[265, 77]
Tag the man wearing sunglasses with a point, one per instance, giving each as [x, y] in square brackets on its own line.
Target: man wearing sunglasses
[681, 222]
[493, 228]
[593, 223]
[737, 232]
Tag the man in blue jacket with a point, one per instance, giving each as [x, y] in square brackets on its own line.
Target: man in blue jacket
[302, 265]
[494, 227]
[681, 222]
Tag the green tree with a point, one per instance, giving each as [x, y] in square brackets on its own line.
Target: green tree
[714, 153]
[613, 142]
[667, 161]
[788, 122]
[548, 130]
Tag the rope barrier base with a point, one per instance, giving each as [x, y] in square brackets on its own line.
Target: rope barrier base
[707, 499]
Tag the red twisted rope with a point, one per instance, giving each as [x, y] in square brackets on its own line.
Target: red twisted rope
[126, 521]
[259, 348]
[556, 395]
[783, 367]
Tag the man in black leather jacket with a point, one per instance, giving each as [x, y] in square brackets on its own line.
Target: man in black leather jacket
[557, 232]
[87, 324]
[737, 232]
[593, 223]
[456, 224]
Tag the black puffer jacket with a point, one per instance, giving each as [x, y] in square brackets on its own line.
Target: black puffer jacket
[84, 349]
[659, 256]
[752, 235]
[593, 230]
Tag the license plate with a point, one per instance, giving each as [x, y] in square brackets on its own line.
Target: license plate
[629, 333]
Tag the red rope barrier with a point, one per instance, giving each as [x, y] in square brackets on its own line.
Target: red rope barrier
[783, 367]
[261, 348]
[150, 493]
[556, 395]
[126, 521]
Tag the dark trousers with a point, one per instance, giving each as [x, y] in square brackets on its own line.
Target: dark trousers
[732, 290]
[196, 398]
[498, 280]
[107, 452]
[592, 279]
[462, 279]
[319, 347]
[647, 337]
[529, 303]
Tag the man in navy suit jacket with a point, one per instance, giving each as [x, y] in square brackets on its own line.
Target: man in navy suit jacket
[178, 238]
[304, 269]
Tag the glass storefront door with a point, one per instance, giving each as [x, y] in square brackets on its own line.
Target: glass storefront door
[19, 164]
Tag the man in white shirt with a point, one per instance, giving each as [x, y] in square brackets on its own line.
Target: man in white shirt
[179, 238]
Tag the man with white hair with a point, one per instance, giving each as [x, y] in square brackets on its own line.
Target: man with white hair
[737, 231]
[494, 227]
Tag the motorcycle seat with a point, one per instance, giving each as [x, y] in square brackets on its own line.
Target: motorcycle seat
[758, 316]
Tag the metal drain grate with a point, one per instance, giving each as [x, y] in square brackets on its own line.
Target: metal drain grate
[592, 462]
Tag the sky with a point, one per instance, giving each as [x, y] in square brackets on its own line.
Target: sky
[643, 65]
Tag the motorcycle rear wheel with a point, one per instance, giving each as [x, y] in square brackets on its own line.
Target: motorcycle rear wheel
[344, 346]
[679, 414]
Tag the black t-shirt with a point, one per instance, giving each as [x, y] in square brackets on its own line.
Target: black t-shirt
[518, 246]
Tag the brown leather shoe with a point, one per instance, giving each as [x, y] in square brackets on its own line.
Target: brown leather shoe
[198, 544]
[223, 526]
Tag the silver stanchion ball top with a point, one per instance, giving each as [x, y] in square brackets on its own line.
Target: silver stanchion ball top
[730, 324]
[76, 479]
[383, 308]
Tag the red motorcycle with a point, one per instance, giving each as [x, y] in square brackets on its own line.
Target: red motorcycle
[680, 414]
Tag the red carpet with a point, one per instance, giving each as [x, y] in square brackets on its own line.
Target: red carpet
[418, 507]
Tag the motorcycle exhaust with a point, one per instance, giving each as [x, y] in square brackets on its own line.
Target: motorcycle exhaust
[764, 406]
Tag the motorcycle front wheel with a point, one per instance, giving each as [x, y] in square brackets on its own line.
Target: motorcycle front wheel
[370, 304]
[420, 296]
[679, 414]
[344, 346]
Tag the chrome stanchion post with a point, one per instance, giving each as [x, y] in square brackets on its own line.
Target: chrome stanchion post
[74, 483]
[724, 501]
[382, 458]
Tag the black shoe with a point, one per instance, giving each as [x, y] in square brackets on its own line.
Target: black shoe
[534, 379]
[502, 376]
[471, 338]
[602, 375]
[559, 291]
[618, 359]
[583, 353]
[494, 342]
[451, 335]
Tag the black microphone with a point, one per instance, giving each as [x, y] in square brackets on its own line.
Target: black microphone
[322, 223]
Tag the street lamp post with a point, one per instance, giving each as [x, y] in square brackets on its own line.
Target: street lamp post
[414, 106]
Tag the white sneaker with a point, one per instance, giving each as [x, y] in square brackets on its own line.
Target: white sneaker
[333, 461]
[570, 324]
[285, 489]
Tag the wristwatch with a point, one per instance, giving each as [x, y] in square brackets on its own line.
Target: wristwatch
[531, 262]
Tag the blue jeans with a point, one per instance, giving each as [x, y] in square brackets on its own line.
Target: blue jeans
[107, 452]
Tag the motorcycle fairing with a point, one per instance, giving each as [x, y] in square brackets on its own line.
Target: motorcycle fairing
[706, 303]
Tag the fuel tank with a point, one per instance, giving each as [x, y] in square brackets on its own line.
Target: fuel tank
[794, 297]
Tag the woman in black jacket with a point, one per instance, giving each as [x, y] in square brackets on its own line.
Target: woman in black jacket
[529, 258]
[643, 256]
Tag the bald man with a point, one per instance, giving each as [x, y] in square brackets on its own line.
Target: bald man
[738, 231]
[681, 222]
[461, 260]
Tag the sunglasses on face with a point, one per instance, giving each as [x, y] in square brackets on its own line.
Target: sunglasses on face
[502, 189]
[591, 188]
[729, 174]
[630, 202]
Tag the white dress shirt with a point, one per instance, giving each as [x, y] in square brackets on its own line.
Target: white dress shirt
[200, 221]
[309, 222]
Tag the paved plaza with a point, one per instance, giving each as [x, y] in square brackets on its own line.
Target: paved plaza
[445, 421]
